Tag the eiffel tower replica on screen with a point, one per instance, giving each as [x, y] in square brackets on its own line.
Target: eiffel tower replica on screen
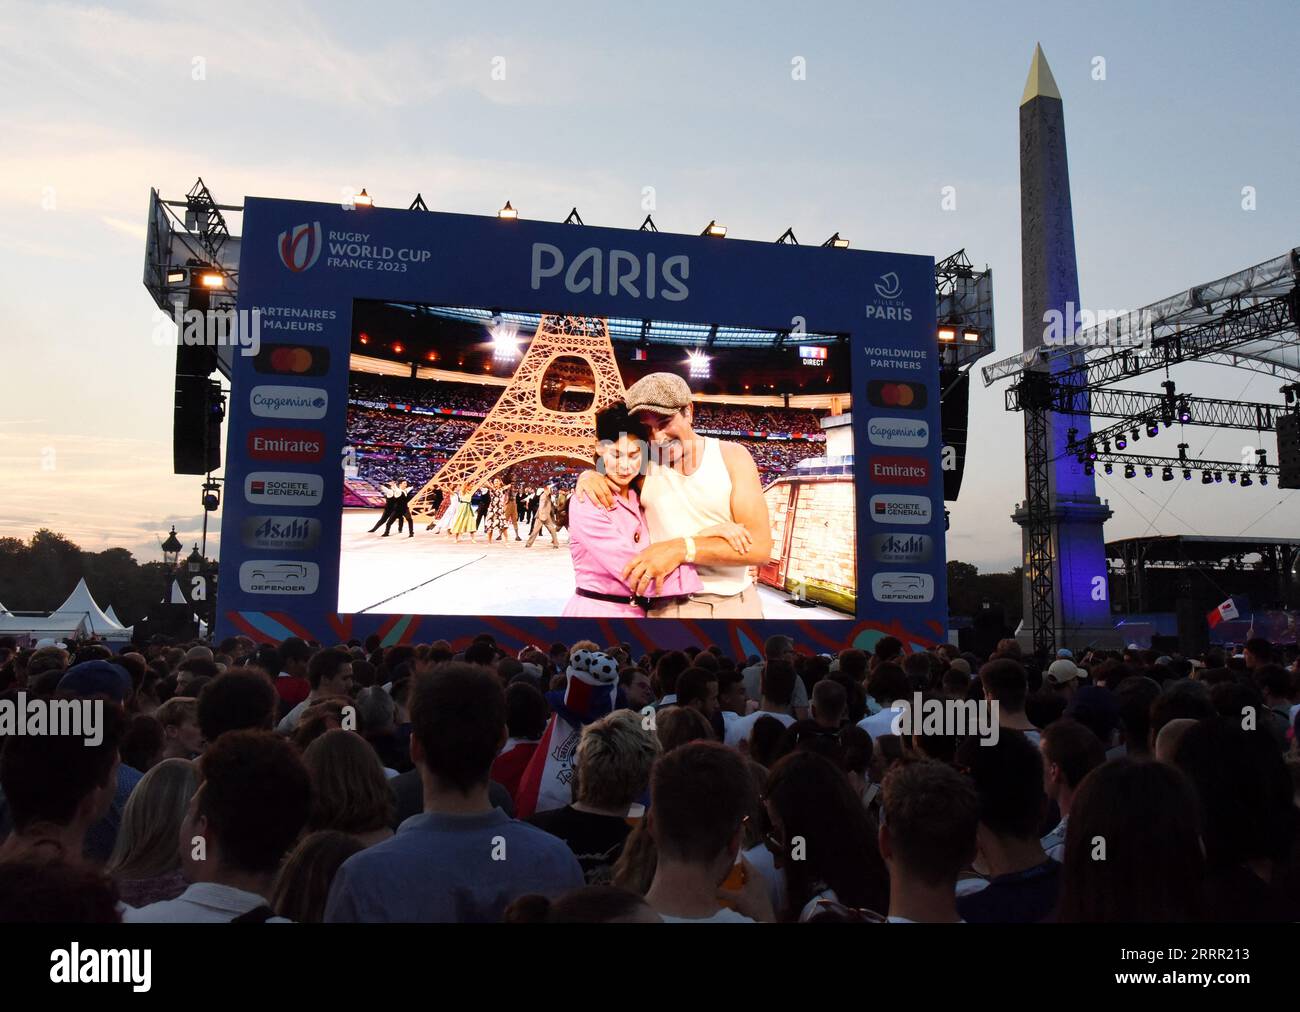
[526, 422]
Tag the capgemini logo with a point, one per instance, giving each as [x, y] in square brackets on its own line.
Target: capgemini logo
[889, 287]
[300, 246]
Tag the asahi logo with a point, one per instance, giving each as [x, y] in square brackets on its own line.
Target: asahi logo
[613, 272]
[901, 549]
[300, 246]
[299, 534]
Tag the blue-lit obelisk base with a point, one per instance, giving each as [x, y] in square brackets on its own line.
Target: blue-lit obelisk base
[1050, 281]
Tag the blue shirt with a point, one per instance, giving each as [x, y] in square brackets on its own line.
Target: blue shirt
[1023, 897]
[451, 868]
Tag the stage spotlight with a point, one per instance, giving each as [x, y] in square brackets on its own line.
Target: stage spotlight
[715, 230]
[1134, 435]
[1121, 442]
[363, 337]
[1089, 469]
[1232, 477]
[947, 334]
[836, 242]
[1184, 411]
[1167, 474]
[1206, 478]
[1109, 467]
[1153, 428]
[699, 364]
[1218, 477]
[1263, 479]
[505, 341]
[398, 348]
[1146, 471]
[1187, 474]
[970, 336]
[1092, 450]
[212, 279]
[363, 199]
[176, 275]
[1129, 471]
[508, 212]
[1245, 480]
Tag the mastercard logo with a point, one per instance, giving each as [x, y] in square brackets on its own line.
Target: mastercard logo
[884, 394]
[292, 360]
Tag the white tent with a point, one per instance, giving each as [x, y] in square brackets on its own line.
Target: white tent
[112, 615]
[80, 602]
[177, 595]
[38, 627]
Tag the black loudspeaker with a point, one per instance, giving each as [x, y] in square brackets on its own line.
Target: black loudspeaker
[953, 412]
[1288, 450]
[196, 425]
[1193, 632]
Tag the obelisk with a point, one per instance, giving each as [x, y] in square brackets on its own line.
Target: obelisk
[1050, 284]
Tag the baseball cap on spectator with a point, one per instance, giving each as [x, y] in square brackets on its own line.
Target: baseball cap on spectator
[960, 664]
[1062, 671]
[1065, 653]
[664, 393]
[50, 641]
[97, 678]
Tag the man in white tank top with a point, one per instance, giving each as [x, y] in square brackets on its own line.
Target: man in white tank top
[703, 503]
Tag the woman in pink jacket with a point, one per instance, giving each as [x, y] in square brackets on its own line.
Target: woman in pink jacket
[602, 542]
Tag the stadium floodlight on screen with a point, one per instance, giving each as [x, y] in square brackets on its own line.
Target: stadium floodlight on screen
[433, 392]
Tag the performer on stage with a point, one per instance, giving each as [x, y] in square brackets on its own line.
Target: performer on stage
[496, 514]
[703, 502]
[481, 499]
[512, 512]
[388, 489]
[402, 509]
[544, 518]
[602, 542]
[465, 522]
[442, 524]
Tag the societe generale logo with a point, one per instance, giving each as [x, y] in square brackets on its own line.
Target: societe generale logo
[300, 246]
[286, 444]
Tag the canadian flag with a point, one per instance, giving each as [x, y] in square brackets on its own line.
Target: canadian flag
[1223, 613]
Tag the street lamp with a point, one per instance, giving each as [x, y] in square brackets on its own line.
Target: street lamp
[171, 549]
[195, 561]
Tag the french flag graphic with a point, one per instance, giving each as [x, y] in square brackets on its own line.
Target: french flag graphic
[1225, 612]
[590, 692]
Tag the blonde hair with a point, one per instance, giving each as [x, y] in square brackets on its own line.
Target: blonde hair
[178, 710]
[614, 759]
[148, 839]
[349, 790]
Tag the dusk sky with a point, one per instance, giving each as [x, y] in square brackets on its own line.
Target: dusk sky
[598, 101]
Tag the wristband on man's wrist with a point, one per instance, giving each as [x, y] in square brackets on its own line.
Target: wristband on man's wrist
[690, 549]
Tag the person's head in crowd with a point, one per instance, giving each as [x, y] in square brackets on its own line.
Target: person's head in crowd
[1109, 673]
[777, 685]
[458, 725]
[1277, 684]
[956, 680]
[146, 845]
[707, 661]
[821, 836]
[321, 717]
[1063, 676]
[613, 762]
[679, 725]
[134, 665]
[776, 647]
[731, 691]
[668, 669]
[376, 711]
[41, 889]
[481, 653]
[191, 670]
[97, 679]
[853, 663]
[141, 747]
[930, 742]
[507, 668]
[765, 740]
[1189, 700]
[59, 785]
[1257, 652]
[1127, 811]
[700, 794]
[697, 688]
[199, 651]
[1070, 752]
[252, 802]
[1241, 702]
[887, 683]
[526, 711]
[1135, 696]
[303, 882]
[363, 673]
[179, 719]
[349, 790]
[829, 704]
[856, 752]
[1044, 706]
[1247, 815]
[1170, 736]
[91, 652]
[329, 673]
[916, 669]
[593, 904]
[1097, 708]
[889, 650]
[293, 657]
[236, 701]
[1008, 776]
[45, 665]
[1004, 681]
[930, 813]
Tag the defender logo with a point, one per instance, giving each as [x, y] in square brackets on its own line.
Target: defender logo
[272, 576]
[902, 588]
[300, 246]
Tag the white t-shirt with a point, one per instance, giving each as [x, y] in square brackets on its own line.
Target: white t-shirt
[738, 730]
[880, 723]
[200, 903]
[725, 915]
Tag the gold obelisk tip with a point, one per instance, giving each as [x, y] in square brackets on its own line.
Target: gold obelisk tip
[1040, 83]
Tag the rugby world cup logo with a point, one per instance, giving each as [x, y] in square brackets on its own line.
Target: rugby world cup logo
[300, 246]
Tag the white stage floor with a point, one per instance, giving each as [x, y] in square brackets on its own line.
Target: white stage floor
[432, 575]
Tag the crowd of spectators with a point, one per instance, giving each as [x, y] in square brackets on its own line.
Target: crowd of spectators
[356, 782]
